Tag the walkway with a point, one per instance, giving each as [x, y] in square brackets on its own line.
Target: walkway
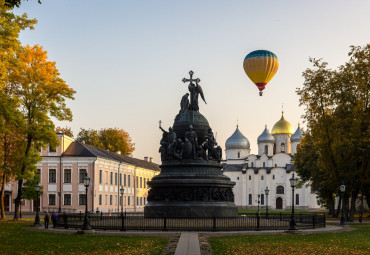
[188, 244]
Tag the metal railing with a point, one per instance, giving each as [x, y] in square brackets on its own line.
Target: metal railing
[248, 221]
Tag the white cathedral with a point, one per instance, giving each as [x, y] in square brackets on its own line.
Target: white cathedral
[270, 169]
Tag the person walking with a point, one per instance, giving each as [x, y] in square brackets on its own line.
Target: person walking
[46, 220]
[54, 218]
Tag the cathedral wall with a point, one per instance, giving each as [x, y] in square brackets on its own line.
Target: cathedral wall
[237, 154]
[282, 139]
[261, 148]
[294, 147]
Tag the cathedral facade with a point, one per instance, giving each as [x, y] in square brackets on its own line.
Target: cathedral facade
[269, 170]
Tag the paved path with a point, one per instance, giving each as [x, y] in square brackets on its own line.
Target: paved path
[188, 244]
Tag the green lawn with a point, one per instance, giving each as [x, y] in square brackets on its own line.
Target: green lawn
[15, 239]
[354, 242]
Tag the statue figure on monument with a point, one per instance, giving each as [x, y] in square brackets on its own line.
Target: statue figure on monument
[195, 89]
[191, 143]
[168, 143]
[209, 145]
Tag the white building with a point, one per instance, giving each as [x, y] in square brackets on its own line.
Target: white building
[271, 168]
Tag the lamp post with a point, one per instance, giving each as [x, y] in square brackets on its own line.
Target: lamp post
[293, 182]
[258, 206]
[267, 191]
[342, 190]
[86, 225]
[37, 218]
[122, 191]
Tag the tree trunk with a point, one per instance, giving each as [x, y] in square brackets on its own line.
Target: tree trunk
[2, 205]
[339, 207]
[18, 199]
[331, 206]
[353, 204]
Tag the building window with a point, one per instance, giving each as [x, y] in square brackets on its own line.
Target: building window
[263, 164]
[115, 178]
[83, 173]
[252, 164]
[106, 199]
[250, 177]
[115, 200]
[100, 199]
[141, 182]
[120, 200]
[144, 200]
[120, 179]
[137, 200]
[141, 201]
[82, 199]
[145, 183]
[52, 148]
[129, 180]
[100, 176]
[279, 189]
[106, 177]
[128, 200]
[52, 175]
[273, 177]
[261, 177]
[111, 178]
[52, 199]
[266, 149]
[282, 147]
[262, 199]
[297, 199]
[110, 199]
[124, 180]
[38, 172]
[237, 178]
[238, 154]
[67, 175]
[275, 165]
[67, 199]
[250, 199]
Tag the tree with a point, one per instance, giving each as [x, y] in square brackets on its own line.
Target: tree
[112, 139]
[338, 120]
[16, 3]
[11, 121]
[42, 93]
[66, 130]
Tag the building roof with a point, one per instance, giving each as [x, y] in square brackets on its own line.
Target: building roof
[77, 149]
[237, 141]
[296, 137]
[266, 137]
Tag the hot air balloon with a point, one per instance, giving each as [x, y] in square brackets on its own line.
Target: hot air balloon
[261, 66]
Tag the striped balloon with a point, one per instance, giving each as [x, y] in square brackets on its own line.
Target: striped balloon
[261, 66]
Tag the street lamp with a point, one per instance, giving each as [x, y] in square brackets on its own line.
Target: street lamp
[293, 182]
[86, 225]
[258, 206]
[37, 218]
[267, 191]
[122, 191]
[342, 190]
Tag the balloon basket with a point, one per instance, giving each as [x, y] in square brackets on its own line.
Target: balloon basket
[260, 93]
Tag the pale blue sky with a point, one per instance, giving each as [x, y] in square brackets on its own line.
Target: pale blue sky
[126, 59]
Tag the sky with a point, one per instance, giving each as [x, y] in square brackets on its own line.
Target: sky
[126, 59]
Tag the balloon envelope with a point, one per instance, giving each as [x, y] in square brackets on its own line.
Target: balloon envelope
[261, 66]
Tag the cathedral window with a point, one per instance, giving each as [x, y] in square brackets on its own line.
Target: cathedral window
[250, 199]
[250, 178]
[252, 164]
[262, 199]
[237, 178]
[263, 164]
[262, 177]
[266, 149]
[279, 189]
[238, 154]
[273, 177]
[282, 147]
[297, 199]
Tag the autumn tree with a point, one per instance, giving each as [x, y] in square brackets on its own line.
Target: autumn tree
[338, 121]
[65, 130]
[11, 120]
[42, 93]
[112, 139]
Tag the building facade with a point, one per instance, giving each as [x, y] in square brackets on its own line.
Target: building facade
[271, 168]
[61, 175]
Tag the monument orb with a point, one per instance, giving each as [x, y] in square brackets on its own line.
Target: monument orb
[191, 183]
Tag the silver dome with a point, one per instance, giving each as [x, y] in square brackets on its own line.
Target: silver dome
[237, 141]
[296, 137]
[265, 137]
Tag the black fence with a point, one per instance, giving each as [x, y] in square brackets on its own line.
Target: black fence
[245, 222]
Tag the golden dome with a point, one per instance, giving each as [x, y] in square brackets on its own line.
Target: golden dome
[282, 127]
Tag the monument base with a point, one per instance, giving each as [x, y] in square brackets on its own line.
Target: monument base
[190, 210]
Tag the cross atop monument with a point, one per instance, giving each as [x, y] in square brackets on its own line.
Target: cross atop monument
[191, 80]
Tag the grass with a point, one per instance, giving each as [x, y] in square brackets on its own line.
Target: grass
[354, 242]
[15, 239]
